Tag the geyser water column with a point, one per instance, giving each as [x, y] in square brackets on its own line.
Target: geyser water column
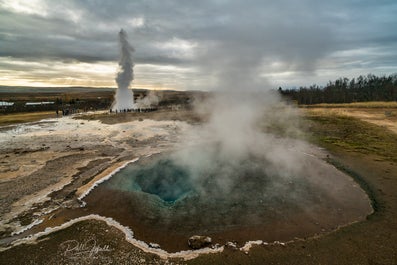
[124, 98]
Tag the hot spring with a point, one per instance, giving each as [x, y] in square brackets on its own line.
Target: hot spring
[165, 200]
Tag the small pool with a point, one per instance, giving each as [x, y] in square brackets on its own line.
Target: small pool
[164, 199]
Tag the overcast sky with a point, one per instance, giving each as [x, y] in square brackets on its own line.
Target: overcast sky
[202, 44]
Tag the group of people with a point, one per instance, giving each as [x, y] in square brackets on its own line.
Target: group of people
[133, 110]
[66, 112]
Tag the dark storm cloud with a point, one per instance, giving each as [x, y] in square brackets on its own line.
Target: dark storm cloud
[229, 42]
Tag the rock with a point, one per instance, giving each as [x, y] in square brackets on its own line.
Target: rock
[232, 245]
[196, 242]
[14, 168]
[154, 245]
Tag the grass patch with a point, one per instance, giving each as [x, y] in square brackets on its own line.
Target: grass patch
[373, 104]
[352, 134]
[8, 119]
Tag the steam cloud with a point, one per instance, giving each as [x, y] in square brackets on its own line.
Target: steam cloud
[150, 100]
[243, 165]
[239, 138]
[124, 98]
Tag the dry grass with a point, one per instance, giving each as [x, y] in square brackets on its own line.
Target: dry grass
[8, 119]
[374, 104]
[384, 117]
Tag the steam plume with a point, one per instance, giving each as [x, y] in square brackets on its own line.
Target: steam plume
[124, 98]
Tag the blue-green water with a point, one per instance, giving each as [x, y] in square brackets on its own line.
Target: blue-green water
[164, 193]
[173, 196]
[162, 179]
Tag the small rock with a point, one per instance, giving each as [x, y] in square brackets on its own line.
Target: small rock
[14, 168]
[196, 242]
[154, 245]
[231, 245]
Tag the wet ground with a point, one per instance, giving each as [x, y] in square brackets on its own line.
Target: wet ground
[368, 242]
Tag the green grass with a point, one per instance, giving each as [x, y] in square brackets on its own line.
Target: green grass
[352, 134]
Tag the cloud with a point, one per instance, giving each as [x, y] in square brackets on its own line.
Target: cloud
[225, 43]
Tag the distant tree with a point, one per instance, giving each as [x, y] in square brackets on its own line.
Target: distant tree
[343, 90]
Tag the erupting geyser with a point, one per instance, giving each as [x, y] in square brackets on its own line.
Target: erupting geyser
[124, 98]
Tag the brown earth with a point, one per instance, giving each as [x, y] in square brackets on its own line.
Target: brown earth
[373, 241]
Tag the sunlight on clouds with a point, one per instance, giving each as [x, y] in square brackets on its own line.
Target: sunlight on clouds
[74, 15]
[356, 52]
[185, 45]
[31, 7]
[47, 73]
[164, 77]
[177, 48]
[101, 68]
[17, 72]
[136, 22]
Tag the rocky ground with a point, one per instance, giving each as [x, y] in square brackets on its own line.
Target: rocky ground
[42, 165]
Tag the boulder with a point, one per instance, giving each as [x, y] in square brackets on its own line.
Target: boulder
[196, 242]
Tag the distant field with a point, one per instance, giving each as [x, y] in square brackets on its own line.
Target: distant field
[372, 104]
[9, 119]
[383, 114]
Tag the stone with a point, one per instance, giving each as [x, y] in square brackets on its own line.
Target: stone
[154, 245]
[197, 242]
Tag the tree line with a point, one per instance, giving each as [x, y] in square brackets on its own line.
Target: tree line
[343, 90]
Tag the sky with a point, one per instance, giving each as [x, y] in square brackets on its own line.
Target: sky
[196, 45]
